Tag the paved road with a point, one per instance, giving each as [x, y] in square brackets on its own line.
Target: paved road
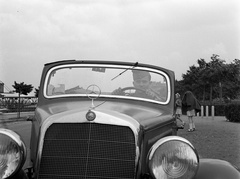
[215, 138]
[9, 117]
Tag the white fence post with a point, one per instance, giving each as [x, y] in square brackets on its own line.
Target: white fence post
[213, 112]
[198, 114]
[202, 111]
[207, 111]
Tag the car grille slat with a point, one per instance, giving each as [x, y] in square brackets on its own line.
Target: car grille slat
[89, 151]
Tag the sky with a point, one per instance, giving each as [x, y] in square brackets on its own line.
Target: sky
[172, 34]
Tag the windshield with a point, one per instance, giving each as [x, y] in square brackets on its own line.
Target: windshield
[112, 81]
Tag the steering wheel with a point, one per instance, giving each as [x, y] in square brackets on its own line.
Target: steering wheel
[131, 88]
[156, 95]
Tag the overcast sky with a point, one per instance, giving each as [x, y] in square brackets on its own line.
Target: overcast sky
[168, 33]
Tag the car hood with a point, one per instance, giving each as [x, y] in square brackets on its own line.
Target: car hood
[145, 114]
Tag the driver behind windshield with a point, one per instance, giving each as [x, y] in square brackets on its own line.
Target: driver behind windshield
[141, 83]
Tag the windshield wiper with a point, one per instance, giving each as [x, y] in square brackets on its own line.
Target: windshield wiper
[125, 71]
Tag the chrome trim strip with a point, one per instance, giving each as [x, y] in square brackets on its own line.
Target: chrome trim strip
[108, 96]
[80, 117]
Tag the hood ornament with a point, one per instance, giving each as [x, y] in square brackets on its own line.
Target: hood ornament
[90, 116]
[93, 92]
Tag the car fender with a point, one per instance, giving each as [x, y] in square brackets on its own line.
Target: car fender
[216, 169]
[20, 175]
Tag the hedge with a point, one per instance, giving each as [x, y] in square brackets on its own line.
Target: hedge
[232, 112]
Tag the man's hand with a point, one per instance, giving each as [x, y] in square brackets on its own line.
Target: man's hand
[153, 95]
[118, 91]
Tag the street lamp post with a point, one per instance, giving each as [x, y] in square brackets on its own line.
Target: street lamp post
[19, 93]
[220, 95]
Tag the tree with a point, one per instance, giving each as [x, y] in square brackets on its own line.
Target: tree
[36, 91]
[214, 75]
[212, 80]
[21, 88]
[193, 79]
[179, 87]
[231, 87]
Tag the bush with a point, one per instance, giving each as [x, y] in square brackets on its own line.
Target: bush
[220, 109]
[232, 112]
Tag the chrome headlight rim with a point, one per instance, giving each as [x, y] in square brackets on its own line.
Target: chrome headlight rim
[13, 136]
[165, 141]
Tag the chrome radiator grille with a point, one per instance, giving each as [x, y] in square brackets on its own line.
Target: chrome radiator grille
[88, 151]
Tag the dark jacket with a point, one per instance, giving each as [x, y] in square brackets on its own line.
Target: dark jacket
[190, 102]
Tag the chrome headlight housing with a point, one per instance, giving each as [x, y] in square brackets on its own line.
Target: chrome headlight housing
[173, 157]
[12, 153]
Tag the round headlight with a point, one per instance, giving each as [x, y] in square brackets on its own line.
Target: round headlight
[173, 157]
[12, 153]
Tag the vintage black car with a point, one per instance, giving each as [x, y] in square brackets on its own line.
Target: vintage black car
[106, 120]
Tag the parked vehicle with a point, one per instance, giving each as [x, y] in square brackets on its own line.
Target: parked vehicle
[106, 120]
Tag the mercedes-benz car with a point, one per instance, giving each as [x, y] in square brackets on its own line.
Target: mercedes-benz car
[106, 120]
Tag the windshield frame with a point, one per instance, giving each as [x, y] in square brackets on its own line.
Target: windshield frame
[100, 65]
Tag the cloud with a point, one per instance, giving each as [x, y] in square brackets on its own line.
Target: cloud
[160, 32]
